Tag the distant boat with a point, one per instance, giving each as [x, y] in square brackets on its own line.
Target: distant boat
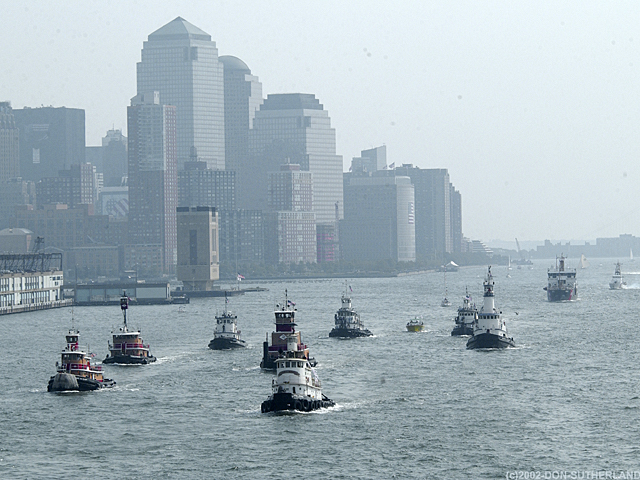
[631, 254]
[584, 263]
[445, 301]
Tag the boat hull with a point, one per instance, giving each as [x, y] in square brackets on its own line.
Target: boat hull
[489, 340]
[62, 382]
[561, 295]
[281, 402]
[459, 330]
[129, 360]
[349, 333]
[226, 343]
[415, 328]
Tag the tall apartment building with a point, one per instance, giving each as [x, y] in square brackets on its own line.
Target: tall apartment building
[72, 187]
[51, 139]
[114, 158]
[379, 219]
[456, 220]
[242, 98]
[199, 185]
[293, 128]
[9, 144]
[291, 234]
[153, 195]
[242, 236]
[198, 262]
[181, 62]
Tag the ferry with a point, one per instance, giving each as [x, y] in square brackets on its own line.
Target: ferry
[127, 346]
[76, 371]
[617, 282]
[415, 325]
[296, 386]
[226, 335]
[467, 315]
[347, 321]
[489, 330]
[285, 326]
[561, 282]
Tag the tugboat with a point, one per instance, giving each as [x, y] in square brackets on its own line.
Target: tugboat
[285, 326]
[127, 347]
[226, 335]
[467, 315]
[348, 323]
[76, 370]
[296, 386]
[489, 330]
[562, 282]
[617, 283]
[415, 325]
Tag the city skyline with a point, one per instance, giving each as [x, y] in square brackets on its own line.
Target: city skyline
[530, 101]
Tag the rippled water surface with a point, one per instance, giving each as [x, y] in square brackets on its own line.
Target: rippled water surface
[409, 405]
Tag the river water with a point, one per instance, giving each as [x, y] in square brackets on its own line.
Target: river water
[409, 405]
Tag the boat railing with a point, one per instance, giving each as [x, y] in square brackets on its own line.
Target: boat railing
[118, 346]
[80, 366]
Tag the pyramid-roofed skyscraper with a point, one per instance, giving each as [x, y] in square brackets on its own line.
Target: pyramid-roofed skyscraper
[180, 61]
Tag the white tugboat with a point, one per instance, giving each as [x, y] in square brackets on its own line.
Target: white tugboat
[285, 326]
[226, 335]
[76, 370]
[467, 315]
[489, 329]
[617, 282]
[562, 282]
[348, 323]
[128, 347]
[296, 386]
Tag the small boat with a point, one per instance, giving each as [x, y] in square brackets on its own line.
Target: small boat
[415, 325]
[127, 347]
[226, 335]
[296, 386]
[489, 330]
[617, 282]
[583, 263]
[347, 321]
[631, 254]
[562, 283]
[445, 301]
[467, 315]
[285, 328]
[76, 370]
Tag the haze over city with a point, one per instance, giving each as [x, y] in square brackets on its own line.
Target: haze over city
[531, 107]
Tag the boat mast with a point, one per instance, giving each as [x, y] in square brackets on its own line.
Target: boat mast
[124, 304]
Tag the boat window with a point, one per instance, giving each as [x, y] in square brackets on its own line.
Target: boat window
[299, 364]
[288, 364]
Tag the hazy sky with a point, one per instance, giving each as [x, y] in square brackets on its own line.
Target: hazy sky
[532, 106]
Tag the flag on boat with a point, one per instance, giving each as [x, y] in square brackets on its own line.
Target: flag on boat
[289, 302]
[240, 277]
[350, 289]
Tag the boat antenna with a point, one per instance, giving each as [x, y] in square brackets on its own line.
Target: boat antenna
[124, 304]
[226, 300]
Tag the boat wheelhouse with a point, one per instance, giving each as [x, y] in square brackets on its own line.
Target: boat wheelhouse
[489, 330]
[347, 321]
[285, 315]
[76, 371]
[226, 335]
[128, 347]
[562, 283]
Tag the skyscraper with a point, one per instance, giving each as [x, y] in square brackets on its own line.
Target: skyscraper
[242, 97]
[9, 144]
[114, 158]
[153, 195]
[51, 139]
[198, 264]
[181, 62]
[293, 128]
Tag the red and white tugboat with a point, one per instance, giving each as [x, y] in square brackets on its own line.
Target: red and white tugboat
[226, 335]
[489, 330]
[76, 371]
[296, 386]
[128, 347]
[280, 344]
